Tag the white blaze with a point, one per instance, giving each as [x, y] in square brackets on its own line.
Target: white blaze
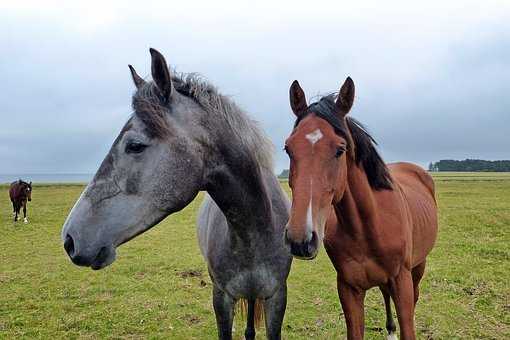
[309, 223]
[314, 137]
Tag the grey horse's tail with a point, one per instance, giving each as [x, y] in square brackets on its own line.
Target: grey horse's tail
[258, 315]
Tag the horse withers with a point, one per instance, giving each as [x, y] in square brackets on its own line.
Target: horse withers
[378, 222]
[185, 137]
[20, 193]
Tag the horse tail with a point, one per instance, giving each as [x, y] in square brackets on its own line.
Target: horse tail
[254, 316]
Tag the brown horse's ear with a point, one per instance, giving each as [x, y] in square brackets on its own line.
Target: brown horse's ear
[139, 82]
[161, 74]
[297, 99]
[345, 97]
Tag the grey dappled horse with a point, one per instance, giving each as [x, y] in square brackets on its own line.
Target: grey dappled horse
[185, 137]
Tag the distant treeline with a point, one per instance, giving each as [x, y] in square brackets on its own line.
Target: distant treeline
[473, 165]
[470, 165]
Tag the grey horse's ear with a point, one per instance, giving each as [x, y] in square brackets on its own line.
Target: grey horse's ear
[297, 99]
[161, 74]
[139, 82]
[345, 97]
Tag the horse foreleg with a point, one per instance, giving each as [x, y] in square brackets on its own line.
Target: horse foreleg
[274, 310]
[390, 323]
[224, 310]
[25, 212]
[249, 333]
[402, 291]
[16, 212]
[352, 301]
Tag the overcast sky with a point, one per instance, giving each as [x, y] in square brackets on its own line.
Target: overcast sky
[432, 80]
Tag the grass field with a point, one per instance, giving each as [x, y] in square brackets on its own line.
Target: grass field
[159, 288]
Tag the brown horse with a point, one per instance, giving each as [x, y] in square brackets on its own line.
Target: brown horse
[20, 192]
[378, 222]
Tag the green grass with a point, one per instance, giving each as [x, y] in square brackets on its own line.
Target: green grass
[159, 287]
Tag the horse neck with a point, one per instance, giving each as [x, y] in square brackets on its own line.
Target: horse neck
[239, 189]
[357, 209]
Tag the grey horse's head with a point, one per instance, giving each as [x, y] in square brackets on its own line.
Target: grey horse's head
[154, 167]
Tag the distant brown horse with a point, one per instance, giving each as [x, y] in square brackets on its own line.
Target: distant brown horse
[384, 218]
[20, 192]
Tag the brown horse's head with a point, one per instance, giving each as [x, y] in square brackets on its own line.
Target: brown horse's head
[28, 189]
[317, 150]
[25, 190]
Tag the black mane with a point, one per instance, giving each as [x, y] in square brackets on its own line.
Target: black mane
[365, 151]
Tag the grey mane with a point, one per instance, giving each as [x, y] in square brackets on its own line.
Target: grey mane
[151, 110]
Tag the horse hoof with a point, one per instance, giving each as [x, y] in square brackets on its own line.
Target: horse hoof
[25, 220]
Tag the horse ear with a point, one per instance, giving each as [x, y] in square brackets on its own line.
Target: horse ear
[161, 74]
[345, 97]
[139, 82]
[30, 183]
[297, 99]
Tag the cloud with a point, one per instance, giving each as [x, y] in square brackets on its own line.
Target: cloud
[431, 79]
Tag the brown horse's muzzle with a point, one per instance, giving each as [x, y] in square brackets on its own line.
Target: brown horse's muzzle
[305, 250]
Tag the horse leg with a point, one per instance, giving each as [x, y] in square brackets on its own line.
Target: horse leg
[249, 333]
[417, 273]
[25, 212]
[390, 323]
[352, 301]
[16, 212]
[224, 311]
[402, 292]
[274, 310]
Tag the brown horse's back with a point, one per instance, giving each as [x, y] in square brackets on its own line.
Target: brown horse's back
[418, 189]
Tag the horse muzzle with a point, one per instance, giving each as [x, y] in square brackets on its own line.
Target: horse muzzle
[306, 249]
[93, 257]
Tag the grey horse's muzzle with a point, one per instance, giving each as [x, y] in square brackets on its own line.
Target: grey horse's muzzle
[93, 257]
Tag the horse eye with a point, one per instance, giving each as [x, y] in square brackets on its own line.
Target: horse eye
[135, 147]
[339, 152]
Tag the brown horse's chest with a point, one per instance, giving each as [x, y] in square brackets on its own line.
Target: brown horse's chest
[362, 265]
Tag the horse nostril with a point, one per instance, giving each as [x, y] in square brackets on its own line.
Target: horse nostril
[312, 243]
[69, 245]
